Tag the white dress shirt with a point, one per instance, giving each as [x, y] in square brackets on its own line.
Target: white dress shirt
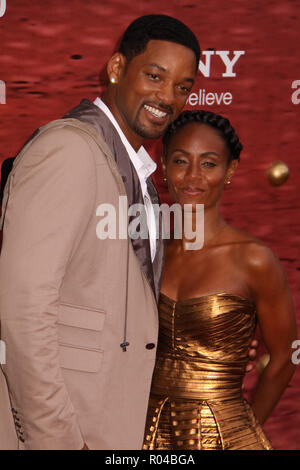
[144, 166]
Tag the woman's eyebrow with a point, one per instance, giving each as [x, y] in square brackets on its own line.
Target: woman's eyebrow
[181, 151]
[205, 154]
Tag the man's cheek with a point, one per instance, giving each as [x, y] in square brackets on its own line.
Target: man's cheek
[181, 102]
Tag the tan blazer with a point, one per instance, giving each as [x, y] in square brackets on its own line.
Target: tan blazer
[63, 301]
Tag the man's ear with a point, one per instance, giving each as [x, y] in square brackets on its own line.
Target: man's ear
[116, 67]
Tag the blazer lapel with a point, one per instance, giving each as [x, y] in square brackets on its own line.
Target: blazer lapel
[87, 112]
[158, 262]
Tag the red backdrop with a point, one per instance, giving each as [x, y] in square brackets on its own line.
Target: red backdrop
[52, 53]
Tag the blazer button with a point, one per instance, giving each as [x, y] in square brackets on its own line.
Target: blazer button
[150, 346]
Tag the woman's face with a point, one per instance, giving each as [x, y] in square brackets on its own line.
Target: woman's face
[196, 165]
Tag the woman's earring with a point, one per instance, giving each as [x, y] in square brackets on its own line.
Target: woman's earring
[113, 80]
[165, 179]
[228, 182]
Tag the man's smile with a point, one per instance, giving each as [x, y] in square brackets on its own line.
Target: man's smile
[157, 114]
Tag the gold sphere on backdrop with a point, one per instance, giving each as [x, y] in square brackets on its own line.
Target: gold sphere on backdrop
[278, 173]
[262, 363]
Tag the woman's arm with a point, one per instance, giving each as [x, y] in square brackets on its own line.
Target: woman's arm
[277, 324]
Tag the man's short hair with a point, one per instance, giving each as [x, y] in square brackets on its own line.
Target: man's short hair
[158, 27]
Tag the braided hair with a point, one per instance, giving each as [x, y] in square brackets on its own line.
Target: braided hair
[221, 125]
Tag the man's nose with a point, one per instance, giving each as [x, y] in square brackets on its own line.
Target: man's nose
[166, 94]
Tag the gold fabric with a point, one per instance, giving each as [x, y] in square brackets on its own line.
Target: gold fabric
[196, 397]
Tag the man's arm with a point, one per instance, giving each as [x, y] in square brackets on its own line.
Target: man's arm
[51, 202]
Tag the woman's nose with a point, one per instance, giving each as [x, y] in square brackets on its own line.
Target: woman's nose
[194, 171]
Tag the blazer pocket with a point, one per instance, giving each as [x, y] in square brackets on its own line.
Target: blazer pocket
[80, 337]
[75, 358]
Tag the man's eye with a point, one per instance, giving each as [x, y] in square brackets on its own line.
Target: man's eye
[152, 76]
[184, 89]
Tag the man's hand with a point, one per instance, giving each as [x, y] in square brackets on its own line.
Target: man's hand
[252, 354]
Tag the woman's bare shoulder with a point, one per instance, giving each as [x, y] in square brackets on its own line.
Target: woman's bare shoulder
[251, 250]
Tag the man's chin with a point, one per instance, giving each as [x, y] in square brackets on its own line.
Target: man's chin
[150, 133]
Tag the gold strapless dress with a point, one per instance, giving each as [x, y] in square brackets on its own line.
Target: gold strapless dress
[196, 397]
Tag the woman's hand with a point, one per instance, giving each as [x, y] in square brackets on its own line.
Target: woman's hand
[252, 354]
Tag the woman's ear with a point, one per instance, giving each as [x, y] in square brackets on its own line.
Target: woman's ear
[164, 168]
[115, 67]
[231, 170]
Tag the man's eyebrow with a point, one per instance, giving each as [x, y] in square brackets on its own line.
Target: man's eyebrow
[162, 69]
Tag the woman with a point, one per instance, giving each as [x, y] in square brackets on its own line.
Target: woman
[210, 301]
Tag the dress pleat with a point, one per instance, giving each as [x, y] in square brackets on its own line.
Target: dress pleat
[196, 400]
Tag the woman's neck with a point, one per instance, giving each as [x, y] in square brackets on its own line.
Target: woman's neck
[203, 227]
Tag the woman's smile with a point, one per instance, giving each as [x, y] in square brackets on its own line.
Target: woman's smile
[192, 191]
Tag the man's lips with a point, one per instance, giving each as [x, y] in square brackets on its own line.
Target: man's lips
[157, 113]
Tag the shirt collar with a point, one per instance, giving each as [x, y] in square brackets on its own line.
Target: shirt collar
[141, 160]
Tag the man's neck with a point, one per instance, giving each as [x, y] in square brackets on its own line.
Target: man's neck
[134, 139]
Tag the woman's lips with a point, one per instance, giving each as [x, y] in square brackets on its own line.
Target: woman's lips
[192, 191]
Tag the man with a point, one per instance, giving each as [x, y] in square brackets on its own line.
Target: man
[78, 314]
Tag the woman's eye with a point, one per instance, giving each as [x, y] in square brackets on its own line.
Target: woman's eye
[179, 160]
[209, 164]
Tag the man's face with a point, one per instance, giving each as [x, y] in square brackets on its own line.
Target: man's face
[153, 88]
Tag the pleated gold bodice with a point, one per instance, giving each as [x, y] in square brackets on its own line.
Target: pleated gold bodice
[196, 397]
